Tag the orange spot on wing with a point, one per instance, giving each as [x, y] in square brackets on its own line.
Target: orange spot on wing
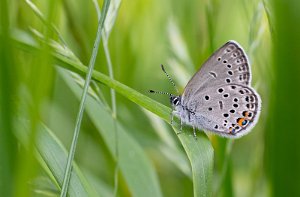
[240, 121]
[245, 113]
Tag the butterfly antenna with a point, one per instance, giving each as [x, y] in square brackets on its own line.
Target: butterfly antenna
[170, 79]
[160, 92]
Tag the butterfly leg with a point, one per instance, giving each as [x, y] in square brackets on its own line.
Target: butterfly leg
[172, 117]
[180, 131]
[181, 123]
[172, 121]
[194, 129]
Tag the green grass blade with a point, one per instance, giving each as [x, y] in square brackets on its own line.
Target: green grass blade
[82, 100]
[135, 167]
[7, 90]
[111, 15]
[283, 135]
[53, 157]
[168, 146]
[224, 179]
[40, 15]
[200, 152]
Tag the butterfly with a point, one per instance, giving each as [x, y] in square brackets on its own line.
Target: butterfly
[219, 97]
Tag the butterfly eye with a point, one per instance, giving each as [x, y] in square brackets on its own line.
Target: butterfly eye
[175, 101]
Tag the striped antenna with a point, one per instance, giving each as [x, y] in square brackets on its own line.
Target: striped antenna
[160, 92]
[170, 79]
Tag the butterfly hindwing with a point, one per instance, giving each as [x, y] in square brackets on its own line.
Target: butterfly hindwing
[229, 110]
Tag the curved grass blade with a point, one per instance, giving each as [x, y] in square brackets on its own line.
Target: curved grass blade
[200, 152]
[110, 19]
[136, 168]
[168, 146]
[53, 157]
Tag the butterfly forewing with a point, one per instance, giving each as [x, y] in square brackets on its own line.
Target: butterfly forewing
[228, 65]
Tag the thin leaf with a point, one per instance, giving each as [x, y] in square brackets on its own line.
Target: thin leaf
[200, 154]
[283, 158]
[111, 16]
[67, 176]
[40, 15]
[169, 147]
[53, 157]
[134, 165]
[200, 151]
[7, 90]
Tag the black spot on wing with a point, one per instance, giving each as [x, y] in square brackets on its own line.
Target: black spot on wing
[213, 74]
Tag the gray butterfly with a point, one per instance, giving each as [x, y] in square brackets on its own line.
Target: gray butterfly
[219, 97]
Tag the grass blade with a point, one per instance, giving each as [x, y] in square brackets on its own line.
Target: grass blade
[282, 150]
[200, 152]
[82, 100]
[135, 167]
[39, 14]
[7, 90]
[53, 157]
[111, 16]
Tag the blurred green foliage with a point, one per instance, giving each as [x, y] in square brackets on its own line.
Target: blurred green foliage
[39, 101]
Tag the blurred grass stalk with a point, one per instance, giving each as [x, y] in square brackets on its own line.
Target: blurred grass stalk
[39, 82]
[112, 14]
[200, 151]
[71, 155]
[7, 91]
[283, 132]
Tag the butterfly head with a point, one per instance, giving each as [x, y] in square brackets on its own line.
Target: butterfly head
[175, 100]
